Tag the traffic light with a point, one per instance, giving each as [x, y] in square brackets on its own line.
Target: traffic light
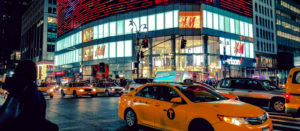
[145, 43]
[183, 43]
[102, 67]
[142, 54]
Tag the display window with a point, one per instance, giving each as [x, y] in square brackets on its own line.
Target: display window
[213, 45]
[164, 48]
[87, 53]
[87, 34]
[194, 44]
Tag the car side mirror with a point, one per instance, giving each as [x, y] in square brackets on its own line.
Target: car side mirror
[176, 100]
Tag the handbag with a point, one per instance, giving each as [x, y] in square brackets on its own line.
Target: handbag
[11, 110]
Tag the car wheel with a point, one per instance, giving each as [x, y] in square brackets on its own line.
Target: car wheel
[131, 119]
[75, 94]
[200, 124]
[62, 93]
[278, 105]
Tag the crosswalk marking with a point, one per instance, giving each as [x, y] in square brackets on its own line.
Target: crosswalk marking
[284, 122]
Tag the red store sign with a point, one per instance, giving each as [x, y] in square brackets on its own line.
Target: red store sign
[60, 73]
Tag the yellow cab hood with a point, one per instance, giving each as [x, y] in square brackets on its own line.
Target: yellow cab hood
[234, 108]
[43, 88]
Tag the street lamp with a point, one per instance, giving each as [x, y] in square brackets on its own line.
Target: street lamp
[138, 46]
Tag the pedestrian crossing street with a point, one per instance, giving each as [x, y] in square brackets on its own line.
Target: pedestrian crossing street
[284, 122]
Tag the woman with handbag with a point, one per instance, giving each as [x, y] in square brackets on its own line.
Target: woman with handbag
[25, 106]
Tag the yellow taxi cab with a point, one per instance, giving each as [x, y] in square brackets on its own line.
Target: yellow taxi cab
[292, 96]
[189, 108]
[46, 90]
[78, 89]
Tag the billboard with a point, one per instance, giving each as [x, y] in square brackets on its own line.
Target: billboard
[190, 19]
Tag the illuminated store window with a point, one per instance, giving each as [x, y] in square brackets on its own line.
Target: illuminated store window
[204, 18]
[250, 30]
[96, 32]
[194, 45]
[120, 49]
[87, 35]
[209, 20]
[227, 46]
[227, 24]
[169, 19]
[161, 48]
[232, 30]
[232, 47]
[222, 41]
[106, 30]
[101, 33]
[128, 48]
[251, 50]
[112, 28]
[246, 29]
[160, 21]
[128, 29]
[221, 22]
[213, 45]
[112, 50]
[176, 18]
[120, 26]
[144, 21]
[242, 27]
[151, 22]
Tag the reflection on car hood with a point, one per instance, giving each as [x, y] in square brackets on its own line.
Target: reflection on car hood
[235, 108]
[277, 92]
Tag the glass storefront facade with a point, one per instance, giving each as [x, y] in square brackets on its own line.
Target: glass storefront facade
[113, 41]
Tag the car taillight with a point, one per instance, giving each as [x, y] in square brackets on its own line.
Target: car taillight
[287, 98]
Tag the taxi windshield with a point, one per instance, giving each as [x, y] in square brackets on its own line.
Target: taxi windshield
[269, 85]
[42, 85]
[79, 84]
[200, 94]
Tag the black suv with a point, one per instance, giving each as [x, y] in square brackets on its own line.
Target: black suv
[255, 91]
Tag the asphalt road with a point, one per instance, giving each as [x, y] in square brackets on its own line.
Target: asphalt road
[101, 114]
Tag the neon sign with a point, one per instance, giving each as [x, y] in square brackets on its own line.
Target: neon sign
[232, 61]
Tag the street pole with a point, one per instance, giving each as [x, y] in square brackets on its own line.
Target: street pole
[138, 52]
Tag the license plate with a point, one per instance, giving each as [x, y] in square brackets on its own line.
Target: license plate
[266, 129]
[89, 93]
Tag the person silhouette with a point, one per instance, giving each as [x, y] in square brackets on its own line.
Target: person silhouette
[22, 86]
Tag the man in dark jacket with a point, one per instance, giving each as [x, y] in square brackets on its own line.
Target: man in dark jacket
[22, 86]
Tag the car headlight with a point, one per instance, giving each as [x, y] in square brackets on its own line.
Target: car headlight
[51, 90]
[81, 90]
[94, 89]
[233, 120]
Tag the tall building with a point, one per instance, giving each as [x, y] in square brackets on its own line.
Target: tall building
[38, 34]
[10, 28]
[218, 33]
[265, 37]
[288, 35]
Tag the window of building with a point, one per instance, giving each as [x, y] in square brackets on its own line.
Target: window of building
[237, 27]
[50, 48]
[101, 33]
[49, 9]
[54, 2]
[257, 32]
[209, 20]
[54, 11]
[271, 14]
[242, 28]
[169, 19]
[120, 27]
[227, 24]
[258, 45]
[50, 1]
[160, 21]
[144, 21]
[259, 8]
[176, 15]
[256, 7]
[112, 50]
[120, 49]
[232, 30]
[129, 29]
[128, 48]
[204, 18]
[112, 28]
[216, 21]
[271, 24]
[96, 32]
[221, 22]
[256, 20]
[151, 23]
[250, 30]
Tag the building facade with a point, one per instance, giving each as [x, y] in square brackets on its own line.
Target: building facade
[265, 38]
[288, 35]
[218, 38]
[38, 34]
